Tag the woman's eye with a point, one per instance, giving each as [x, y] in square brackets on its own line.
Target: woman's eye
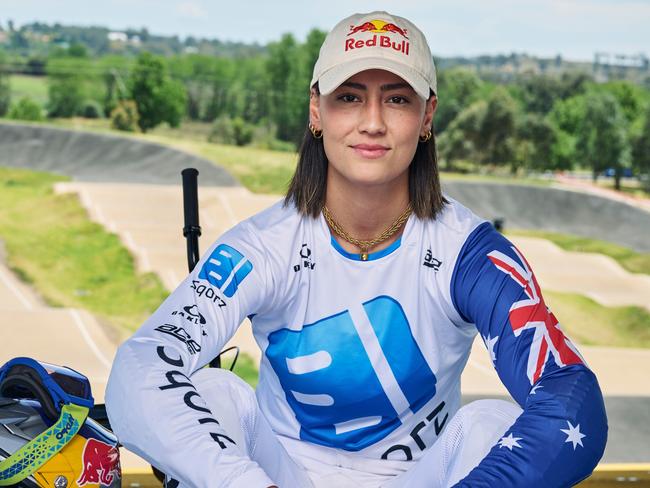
[398, 99]
[348, 97]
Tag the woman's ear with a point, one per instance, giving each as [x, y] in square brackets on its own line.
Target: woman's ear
[314, 109]
[429, 111]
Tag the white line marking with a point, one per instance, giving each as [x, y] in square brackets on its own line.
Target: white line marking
[88, 339]
[207, 219]
[22, 298]
[309, 363]
[172, 279]
[138, 251]
[227, 207]
[320, 400]
[376, 354]
[349, 425]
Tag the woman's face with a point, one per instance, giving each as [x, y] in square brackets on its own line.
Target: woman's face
[371, 124]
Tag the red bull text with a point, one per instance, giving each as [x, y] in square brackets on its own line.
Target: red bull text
[101, 463]
[379, 39]
[375, 40]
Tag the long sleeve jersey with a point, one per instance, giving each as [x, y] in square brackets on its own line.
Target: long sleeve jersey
[359, 357]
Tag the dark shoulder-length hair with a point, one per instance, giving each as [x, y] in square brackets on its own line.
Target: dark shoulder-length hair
[309, 183]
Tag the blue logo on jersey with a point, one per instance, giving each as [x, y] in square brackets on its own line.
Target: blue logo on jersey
[226, 267]
[348, 383]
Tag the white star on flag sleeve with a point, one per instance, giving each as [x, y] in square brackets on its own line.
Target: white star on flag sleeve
[561, 434]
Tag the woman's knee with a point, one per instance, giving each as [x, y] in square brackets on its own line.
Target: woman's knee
[230, 399]
[222, 383]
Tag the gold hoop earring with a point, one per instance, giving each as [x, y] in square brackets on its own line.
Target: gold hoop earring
[317, 133]
[426, 137]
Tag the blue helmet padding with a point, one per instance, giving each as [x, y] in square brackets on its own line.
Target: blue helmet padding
[78, 386]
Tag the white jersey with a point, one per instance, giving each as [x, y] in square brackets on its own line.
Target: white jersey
[359, 356]
[361, 360]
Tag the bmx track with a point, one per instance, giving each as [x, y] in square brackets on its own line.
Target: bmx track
[132, 188]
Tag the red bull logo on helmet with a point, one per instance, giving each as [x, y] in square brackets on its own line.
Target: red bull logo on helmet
[379, 28]
[101, 463]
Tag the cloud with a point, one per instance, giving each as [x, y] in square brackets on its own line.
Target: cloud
[191, 9]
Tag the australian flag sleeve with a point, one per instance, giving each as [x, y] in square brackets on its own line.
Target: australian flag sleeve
[561, 434]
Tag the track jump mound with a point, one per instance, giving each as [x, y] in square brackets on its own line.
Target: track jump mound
[86, 156]
[556, 210]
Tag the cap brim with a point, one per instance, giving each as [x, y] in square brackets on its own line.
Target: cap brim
[332, 78]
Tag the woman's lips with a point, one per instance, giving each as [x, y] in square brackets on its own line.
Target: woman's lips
[370, 151]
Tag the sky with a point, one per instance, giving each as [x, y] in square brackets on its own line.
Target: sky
[575, 29]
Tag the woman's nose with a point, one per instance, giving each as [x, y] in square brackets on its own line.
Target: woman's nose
[372, 117]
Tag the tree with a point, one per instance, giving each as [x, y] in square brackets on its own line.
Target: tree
[77, 50]
[629, 97]
[65, 95]
[311, 49]
[459, 88]
[573, 83]
[157, 97]
[602, 139]
[567, 115]
[498, 128]
[461, 140]
[537, 137]
[196, 72]
[539, 93]
[289, 92]
[222, 79]
[641, 149]
[563, 150]
[5, 89]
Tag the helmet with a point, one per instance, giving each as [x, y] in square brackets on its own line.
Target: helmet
[46, 436]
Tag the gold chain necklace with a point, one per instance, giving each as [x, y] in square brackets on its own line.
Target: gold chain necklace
[366, 245]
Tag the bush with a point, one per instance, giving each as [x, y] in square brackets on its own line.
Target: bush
[231, 131]
[264, 137]
[65, 96]
[26, 109]
[125, 116]
[242, 131]
[222, 131]
[91, 110]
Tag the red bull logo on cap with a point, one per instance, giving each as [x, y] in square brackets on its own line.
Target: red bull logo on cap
[101, 463]
[379, 28]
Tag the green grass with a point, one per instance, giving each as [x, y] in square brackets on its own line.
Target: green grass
[259, 170]
[245, 367]
[34, 87]
[52, 245]
[630, 260]
[592, 324]
[71, 261]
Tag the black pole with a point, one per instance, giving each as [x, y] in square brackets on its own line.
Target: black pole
[192, 229]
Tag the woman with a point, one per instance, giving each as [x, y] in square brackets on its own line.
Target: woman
[366, 288]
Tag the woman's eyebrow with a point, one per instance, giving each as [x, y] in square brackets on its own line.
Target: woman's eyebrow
[387, 87]
[394, 86]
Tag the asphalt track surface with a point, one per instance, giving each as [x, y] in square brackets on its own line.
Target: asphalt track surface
[87, 156]
[90, 157]
[93, 157]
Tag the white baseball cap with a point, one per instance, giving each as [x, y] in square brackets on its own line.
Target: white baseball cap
[376, 40]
